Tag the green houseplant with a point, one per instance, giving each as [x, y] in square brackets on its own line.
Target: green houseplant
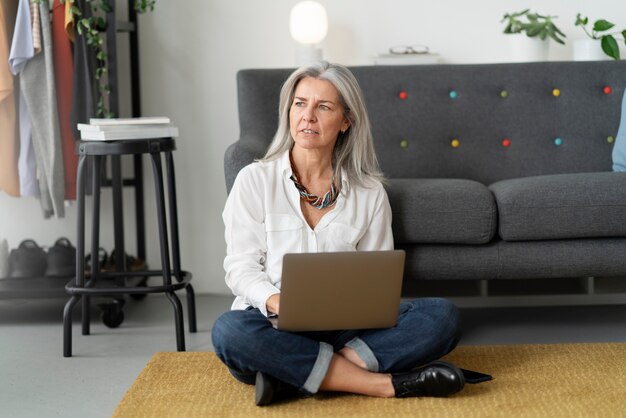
[533, 25]
[599, 32]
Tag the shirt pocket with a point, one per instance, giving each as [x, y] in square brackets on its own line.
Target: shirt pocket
[342, 237]
[284, 235]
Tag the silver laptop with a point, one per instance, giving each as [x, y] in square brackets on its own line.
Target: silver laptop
[341, 290]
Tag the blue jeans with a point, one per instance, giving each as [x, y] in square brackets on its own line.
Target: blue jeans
[246, 342]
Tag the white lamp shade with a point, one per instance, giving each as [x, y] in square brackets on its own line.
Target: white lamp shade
[308, 22]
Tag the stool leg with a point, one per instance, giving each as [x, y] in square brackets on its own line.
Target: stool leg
[67, 325]
[79, 281]
[161, 218]
[191, 307]
[178, 317]
[165, 252]
[95, 241]
[171, 186]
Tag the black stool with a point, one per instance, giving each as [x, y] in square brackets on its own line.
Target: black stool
[116, 284]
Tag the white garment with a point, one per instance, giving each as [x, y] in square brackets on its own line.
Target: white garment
[22, 50]
[264, 221]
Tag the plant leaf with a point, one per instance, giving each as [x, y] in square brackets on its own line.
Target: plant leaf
[556, 38]
[610, 47]
[106, 6]
[533, 29]
[602, 25]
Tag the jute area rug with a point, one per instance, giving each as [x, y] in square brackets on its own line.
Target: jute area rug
[530, 380]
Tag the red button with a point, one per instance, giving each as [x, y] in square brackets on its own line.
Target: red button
[506, 142]
[403, 95]
[607, 90]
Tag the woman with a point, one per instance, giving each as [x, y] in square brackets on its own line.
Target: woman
[319, 188]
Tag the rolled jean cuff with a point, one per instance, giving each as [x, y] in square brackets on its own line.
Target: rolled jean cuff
[365, 353]
[320, 368]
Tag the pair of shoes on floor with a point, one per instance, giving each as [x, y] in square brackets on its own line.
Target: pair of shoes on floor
[131, 263]
[103, 259]
[437, 379]
[30, 260]
[107, 262]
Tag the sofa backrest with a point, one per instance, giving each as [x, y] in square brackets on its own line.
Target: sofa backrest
[451, 121]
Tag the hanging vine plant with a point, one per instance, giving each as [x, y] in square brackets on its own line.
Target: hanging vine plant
[93, 28]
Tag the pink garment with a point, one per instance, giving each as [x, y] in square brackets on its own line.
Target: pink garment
[9, 146]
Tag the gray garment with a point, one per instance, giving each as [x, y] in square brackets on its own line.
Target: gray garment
[37, 84]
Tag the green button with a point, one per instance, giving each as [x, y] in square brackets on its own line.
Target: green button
[404, 144]
[504, 94]
[610, 139]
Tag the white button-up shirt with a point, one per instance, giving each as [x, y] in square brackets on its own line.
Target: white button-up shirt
[264, 221]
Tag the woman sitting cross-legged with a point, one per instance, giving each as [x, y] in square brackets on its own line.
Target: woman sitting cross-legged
[321, 175]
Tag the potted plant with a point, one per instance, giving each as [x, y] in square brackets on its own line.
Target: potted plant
[587, 49]
[538, 30]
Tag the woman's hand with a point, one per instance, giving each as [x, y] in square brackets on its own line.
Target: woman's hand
[273, 303]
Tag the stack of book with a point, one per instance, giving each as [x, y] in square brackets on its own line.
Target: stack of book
[121, 129]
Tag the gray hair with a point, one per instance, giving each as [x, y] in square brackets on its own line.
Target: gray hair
[354, 150]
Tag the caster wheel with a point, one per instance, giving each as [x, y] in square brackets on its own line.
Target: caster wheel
[112, 317]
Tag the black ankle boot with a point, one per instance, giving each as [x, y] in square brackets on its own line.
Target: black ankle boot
[269, 390]
[434, 379]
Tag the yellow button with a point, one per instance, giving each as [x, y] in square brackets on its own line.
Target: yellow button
[455, 143]
[556, 92]
[610, 139]
[504, 94]
[404, 144]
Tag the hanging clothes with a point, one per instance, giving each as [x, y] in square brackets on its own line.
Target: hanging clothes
[36, 26]
[63, 75]
[9, 148]
[85, 92]
[37, 83]
[22, 50]
[69, 20]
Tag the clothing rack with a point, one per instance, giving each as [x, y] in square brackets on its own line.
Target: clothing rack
[44, 287]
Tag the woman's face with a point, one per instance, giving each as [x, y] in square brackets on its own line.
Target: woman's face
[316, 115]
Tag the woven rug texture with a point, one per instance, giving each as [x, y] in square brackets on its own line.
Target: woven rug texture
[547, 380]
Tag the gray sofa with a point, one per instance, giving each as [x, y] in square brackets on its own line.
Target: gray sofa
[496, 171]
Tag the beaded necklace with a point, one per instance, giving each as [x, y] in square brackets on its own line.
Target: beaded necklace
[319, 202]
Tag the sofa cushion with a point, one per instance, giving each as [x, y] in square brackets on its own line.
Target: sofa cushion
[441, 211]
[581, 205]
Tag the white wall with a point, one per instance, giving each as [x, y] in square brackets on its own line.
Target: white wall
[191, 50]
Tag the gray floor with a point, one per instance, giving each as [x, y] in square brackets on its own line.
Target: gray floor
[36, 381]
